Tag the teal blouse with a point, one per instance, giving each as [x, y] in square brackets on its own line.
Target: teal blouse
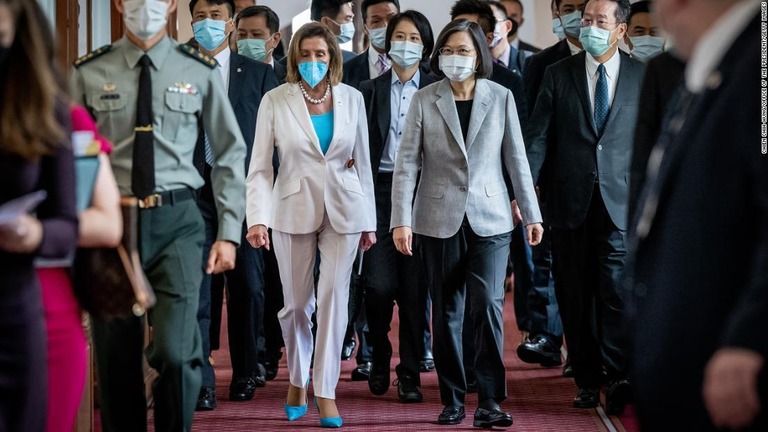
[323, 124]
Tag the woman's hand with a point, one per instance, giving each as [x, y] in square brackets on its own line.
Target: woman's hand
[535, 232]
[403, 238]
[258, 236]
[22, 236]
[367, 239]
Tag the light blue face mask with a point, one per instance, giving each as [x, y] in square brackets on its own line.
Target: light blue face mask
[210, 33]
[253, 48]
[595, 40]
[378, 37]
[347, 32]
[557, 28]
[571, 23]
[313, 72]
[645, 48]
[405, 53]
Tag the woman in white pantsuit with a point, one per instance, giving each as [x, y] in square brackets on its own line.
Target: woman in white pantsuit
[321, 199]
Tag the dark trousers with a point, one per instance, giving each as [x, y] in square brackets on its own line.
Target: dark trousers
[245, 299]
[170, 244]
[587, 265]
[23, 369]
[535, 302]
[391, 276]
[461, 264]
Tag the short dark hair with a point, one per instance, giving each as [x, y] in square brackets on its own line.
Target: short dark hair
[270, 17]
[368, 3]
[485, 65]
[422, 25]
[326, 8]
[230, 4]
[639, 7]
[484, 13]
[622, 11]
[522, 9]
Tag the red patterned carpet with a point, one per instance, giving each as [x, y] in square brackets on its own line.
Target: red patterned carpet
[539, 399]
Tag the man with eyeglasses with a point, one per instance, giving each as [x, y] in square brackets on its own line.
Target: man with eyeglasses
[594, 97]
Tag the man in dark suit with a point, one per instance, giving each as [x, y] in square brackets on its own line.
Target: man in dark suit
[700, 242]
[593, 96]
[390, 276]
[502, 51]
[246, 80]
[374, 61]
[258, 35]
[514, 11]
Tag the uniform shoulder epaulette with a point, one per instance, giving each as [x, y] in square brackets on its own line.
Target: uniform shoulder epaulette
[92, 55]
[197, 55]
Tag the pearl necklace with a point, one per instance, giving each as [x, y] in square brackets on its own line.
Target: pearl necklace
[316, 101]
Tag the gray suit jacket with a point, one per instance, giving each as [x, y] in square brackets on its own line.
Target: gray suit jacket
[461, 178]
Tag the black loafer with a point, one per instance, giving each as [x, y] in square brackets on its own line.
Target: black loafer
[206, 401]
[539, 350]
[270, 370]
[378, 381]
[451, 415]
[348, 349]
[491, 418]
[362, 372]
[242, 389]
[617, 397]
[260, 376]
[408, 390]
[586, 398]
[427, 365]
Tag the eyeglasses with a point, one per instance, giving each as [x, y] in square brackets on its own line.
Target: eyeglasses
[587, 22]
[462, 51]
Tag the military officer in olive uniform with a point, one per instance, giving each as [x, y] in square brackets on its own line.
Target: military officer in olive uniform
[148, 95]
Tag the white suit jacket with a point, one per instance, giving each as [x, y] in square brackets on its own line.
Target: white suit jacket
[308, 182]
[461, 178]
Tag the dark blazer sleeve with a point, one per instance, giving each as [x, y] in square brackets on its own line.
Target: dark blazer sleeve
[269, 81]
[58, 213]
[538, 130]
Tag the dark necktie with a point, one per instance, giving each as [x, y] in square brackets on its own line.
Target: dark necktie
[513, 60]
[143, 168]
[601, 100]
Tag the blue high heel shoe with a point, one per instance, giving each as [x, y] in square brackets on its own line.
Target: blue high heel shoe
[296, 412]
[329, 422]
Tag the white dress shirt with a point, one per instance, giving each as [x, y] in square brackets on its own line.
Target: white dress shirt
[504, 57]
[223, 59]
[574, 49]
[711, 48]
[373, 63]
[611, 74]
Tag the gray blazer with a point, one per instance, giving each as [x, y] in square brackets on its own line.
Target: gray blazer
[461, 178]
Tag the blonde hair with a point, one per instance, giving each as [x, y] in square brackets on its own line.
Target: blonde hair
[315, 29]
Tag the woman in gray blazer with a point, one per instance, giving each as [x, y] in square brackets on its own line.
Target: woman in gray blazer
[460, 134]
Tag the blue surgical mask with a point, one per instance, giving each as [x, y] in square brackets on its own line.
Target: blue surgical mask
[253, 48]
[572, 23]
[645, 48]
[405, 53]
[347, 32]
[313, 72]
[378, 37]
[557, 28]
[209, 33]
[595, 40]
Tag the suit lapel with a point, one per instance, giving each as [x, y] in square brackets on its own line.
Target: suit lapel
[295, 102]
[236, 72]
[447, 107]
[580, 84]
[622, 89]
[480, 107]
[340, 115]
[383, 95]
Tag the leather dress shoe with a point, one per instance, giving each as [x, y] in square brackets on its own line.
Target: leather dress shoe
[206, 401]
[378, 380]
[539, 350]
[586, 398]
[362, 372]
[617, 397]
[451, 415]
[242, 389]
[260, 376]
[348, 349]
[427, 365]
[270, 369]
[408, 390]
[491, 418]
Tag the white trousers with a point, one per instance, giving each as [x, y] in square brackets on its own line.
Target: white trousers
[296, 255]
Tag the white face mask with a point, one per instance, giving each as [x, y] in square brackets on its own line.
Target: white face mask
[457, 68]
[145, 18]
[496, 36]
